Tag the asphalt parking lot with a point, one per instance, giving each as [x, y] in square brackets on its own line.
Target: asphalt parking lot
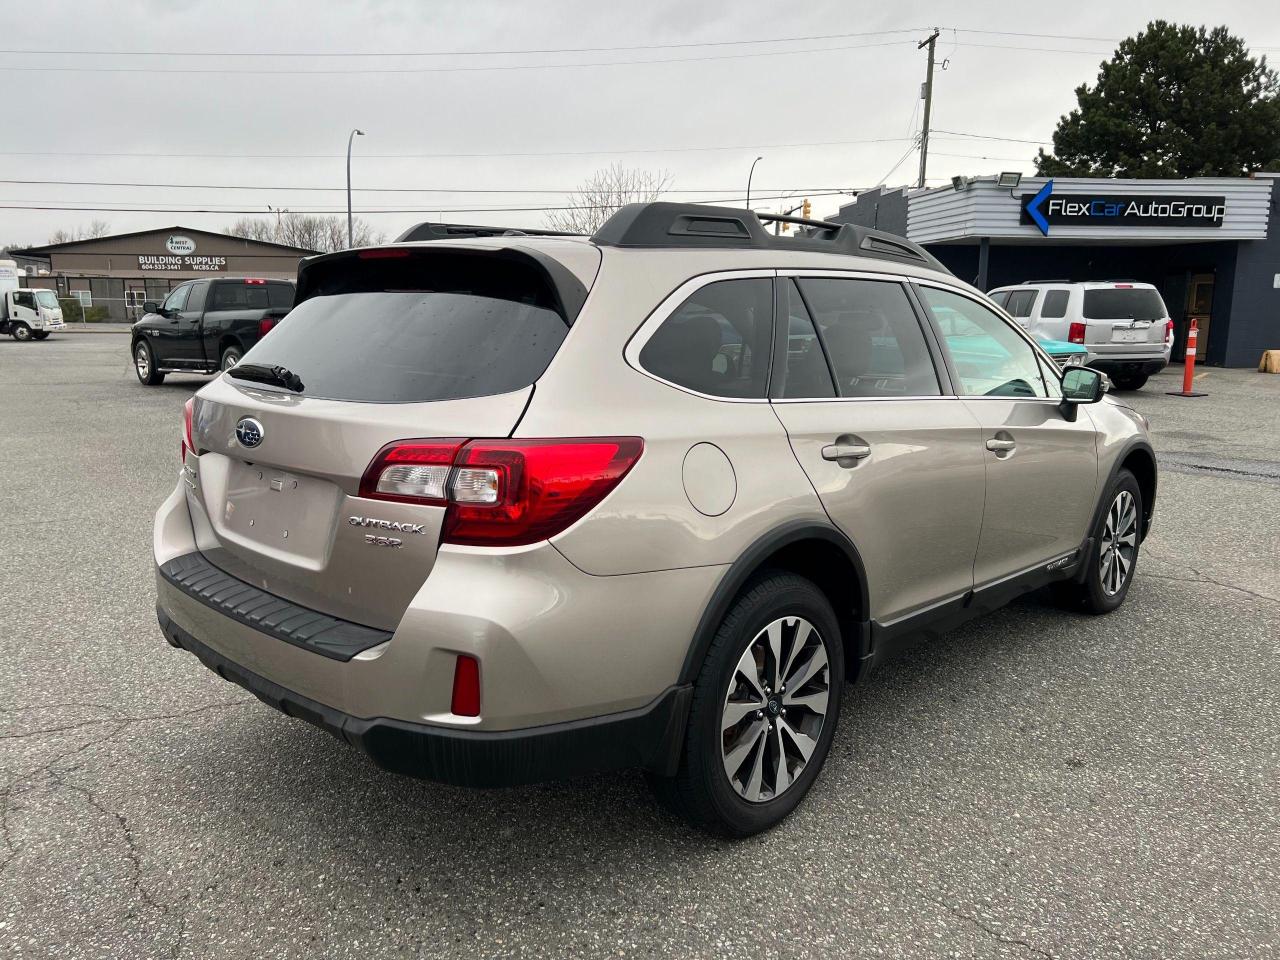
[1037, 784]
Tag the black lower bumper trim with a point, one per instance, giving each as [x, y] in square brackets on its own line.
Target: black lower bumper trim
[649, 737]
[1129, 368]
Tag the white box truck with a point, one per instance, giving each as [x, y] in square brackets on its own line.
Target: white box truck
[26, 313]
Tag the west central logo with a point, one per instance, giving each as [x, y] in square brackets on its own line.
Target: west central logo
[387, 525]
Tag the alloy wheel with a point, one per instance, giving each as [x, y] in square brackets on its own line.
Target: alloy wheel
[774, 709]
[142, 360]
[1119, 543]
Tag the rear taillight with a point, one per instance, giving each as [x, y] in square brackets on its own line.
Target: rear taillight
[1075, 333]
[1168, 331]
[265, 325]
[466, 687]
[502, 492]
[187, 442]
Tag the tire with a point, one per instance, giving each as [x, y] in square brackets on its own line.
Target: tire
[702, 790]
[40, 335]
[20, 331]
[230, 357]
[144, 364]
[1135, 382]
[1107, 579]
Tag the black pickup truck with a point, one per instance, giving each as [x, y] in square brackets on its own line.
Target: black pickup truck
[206, 325]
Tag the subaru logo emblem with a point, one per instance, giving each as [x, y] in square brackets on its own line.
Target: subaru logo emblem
[249, 432]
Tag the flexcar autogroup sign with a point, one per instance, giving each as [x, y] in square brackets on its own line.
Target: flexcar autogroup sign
[1046, 210]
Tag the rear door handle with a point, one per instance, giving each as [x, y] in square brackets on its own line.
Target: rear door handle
[1001, 446]
[845, 451]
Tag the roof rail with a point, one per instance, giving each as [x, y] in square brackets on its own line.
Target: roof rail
[450, 231]
[665, 224]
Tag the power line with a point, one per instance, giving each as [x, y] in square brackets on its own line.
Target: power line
[278, 188]
[428, 210]
[983, 136]
[468, 53]
[477, 69]
[454, 155]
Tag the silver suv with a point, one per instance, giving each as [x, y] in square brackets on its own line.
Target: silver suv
[498, 510]
[1123, 324]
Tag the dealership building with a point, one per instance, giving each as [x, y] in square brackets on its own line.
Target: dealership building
[1211, 245]
[117, 274]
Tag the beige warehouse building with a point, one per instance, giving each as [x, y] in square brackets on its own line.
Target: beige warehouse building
[114, 275]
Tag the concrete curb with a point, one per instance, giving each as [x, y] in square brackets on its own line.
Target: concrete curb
[95, 328]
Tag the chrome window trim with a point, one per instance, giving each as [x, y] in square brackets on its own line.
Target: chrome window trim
[1012, 324]
[669, 304]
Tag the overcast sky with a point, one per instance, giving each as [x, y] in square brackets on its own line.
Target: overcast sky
[843, 77]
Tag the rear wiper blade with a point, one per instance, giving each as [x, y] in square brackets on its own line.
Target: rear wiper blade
[261, 373]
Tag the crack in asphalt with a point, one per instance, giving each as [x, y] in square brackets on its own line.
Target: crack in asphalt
[145, 719]
[1202, 578]
[985, 928]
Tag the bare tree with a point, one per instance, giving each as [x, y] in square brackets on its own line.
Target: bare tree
[310, 232]
[601, 194]
[96, 229]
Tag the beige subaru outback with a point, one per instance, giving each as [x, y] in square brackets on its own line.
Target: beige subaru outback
[502, 509]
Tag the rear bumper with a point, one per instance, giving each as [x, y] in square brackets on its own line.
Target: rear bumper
[648, 737]
[1129, 367]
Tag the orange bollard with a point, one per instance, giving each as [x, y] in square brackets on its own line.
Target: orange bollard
[1189, 368]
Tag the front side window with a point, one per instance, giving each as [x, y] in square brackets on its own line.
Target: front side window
[718, 341]
[24, 298]
[990, 358]
[178, 299]
[872, 336]
[1001, 297]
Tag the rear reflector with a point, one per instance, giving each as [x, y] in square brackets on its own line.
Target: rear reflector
[502, 492]
[187, 442]
[466, 687]
[1075, 333]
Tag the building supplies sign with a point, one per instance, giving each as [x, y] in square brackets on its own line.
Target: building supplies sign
[173, 261]
[1046, 210]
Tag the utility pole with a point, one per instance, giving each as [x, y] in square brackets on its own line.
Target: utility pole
[931, 42]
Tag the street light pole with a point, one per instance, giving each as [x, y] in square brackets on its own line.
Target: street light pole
[350, 229]
[749, 173]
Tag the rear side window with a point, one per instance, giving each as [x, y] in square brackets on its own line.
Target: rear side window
[717, 342]
[237, 295]
[1123, 304]
[872, 336]
[1020, 302]
[280, 295]
[807, 375]
[426, 326]
[1055, 305]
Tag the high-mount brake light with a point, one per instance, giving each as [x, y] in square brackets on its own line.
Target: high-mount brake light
[383, 253]
[1075, 333]
[187, 442]
[502, 492]
[255, 280]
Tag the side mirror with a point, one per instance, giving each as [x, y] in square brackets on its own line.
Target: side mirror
[150, 306]
[1080, 385]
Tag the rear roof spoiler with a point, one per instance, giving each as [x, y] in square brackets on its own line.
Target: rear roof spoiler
[451, 231]
[662, 224]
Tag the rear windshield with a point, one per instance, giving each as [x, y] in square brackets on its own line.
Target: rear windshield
[417, 329]
[1131, 304]
[239, 295]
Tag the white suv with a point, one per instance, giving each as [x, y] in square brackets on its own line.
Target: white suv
[1124, 325]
